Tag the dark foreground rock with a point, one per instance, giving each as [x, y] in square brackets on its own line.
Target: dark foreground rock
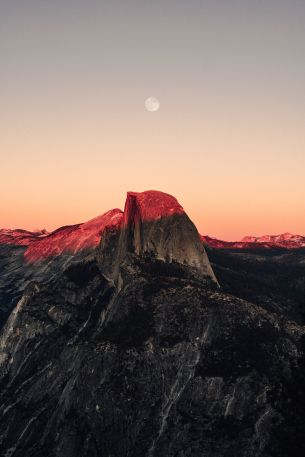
[164, 367]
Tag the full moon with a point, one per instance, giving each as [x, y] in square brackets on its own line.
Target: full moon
[152, 104]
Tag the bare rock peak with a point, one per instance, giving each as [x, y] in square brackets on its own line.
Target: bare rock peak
[155, 225]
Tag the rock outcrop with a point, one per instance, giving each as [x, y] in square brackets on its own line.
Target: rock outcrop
[154, 228]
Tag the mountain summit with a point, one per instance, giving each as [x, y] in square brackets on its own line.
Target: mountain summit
[155, 227]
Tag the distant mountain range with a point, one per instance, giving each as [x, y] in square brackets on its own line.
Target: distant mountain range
[283, 241]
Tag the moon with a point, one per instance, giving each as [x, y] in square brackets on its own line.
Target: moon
[152, 104]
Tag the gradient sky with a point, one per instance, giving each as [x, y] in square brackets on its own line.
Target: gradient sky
[228, 141]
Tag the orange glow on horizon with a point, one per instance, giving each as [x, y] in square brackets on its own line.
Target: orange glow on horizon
[228, 140]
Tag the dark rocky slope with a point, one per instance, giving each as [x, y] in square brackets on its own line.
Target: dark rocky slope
[273, 278]
[133, 350]
[40, 256]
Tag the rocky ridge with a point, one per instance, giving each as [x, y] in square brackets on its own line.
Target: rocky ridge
[20, 237]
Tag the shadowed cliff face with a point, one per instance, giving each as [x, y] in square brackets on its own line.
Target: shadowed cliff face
[133, 350]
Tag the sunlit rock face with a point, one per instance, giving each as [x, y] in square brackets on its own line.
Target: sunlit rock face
[20, 237]
[155, 227]
[74, 238]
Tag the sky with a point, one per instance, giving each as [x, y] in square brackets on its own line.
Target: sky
[228, 140]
